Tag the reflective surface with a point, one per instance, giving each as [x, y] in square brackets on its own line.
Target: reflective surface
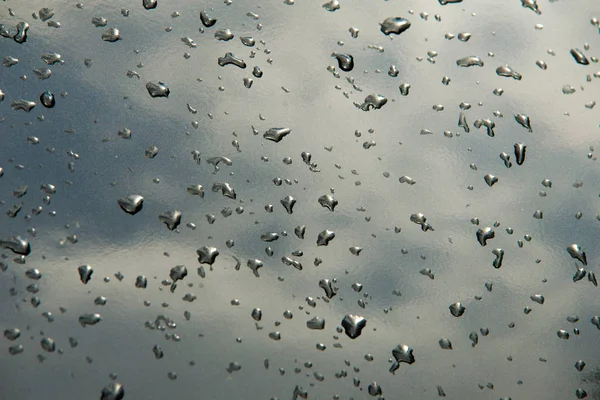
[293, 199]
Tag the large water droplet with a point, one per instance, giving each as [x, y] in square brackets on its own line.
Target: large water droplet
[325, 237]
[579, 57]
[230, 59]
[112, 391]
[395, 25]
[508, 72]
[483, 235]
[353, 325]
[469, 61]
[21, 35]
[207, 255]
[150, 4]
[157, 89]
[276, 134]
[131, 204]
[206, 19]
[85, 273]
[372, 102]
[457, 309]
[171, 219]
[345, 61]
[577, 253]
[111, 35]
[24, 105]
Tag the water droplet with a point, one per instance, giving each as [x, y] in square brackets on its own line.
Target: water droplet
[353, 325]
[207, 255]
[85, 273]
[99, 22]
[579, 274]
[288, 203]
[374, 389]
[157, 89]
[17, 245]
[171, 219]
[48, 344]
[345, 61]
[12, 333]
[256, 314]
[395, 25]
[229, 58]
[499, 253]
[206, 19]
[325, 237]
[444, 2]
[332, 5]
[372, 102]
[532, 5]
[225, 189]
[538, 298]
[316, 323]
[224, 35]
[490, 179]
[149, 4]
[21, 35]
[580, 365]
[524, 121]
[112, 391]
[579, 57]
[407, 179]
[469, 61]
[327, 286]
[47, 99]
[520, 150]
[111, 35]
[328, 201]
[445, 344]
[89, 319]
[131, 204]
[508, 72]
[276, 134]
[577, 253]
[457, 309]
[24, 105]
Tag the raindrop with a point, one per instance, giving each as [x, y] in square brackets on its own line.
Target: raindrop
[207, 255]
[171, 219]
[85, 273]
[345, 61]
[206, 19]
[457, 309]
[483, 235]
[508, 72]
[230, 59]
[111, 35]
[276, 134]
[157, 89]
[577, 253]
[353, 325]
[579, 57]
[113, 391]
[395, 25]
[131, 204]
[372, 102]
[469, 61]
[524, 121]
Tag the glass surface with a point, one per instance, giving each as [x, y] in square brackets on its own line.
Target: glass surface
[154, 198]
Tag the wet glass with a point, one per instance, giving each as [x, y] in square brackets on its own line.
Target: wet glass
[294, 199]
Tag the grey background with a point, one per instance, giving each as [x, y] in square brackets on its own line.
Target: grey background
[300, 38]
